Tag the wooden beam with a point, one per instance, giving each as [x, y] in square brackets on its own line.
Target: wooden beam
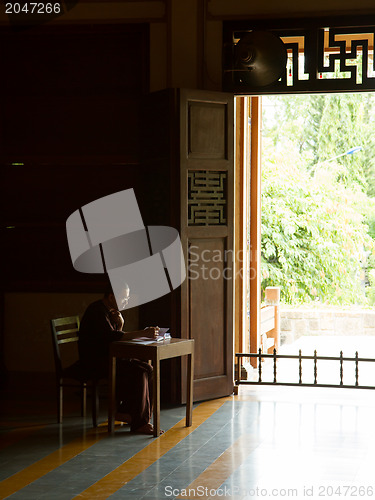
[242, 222]
[255, 214]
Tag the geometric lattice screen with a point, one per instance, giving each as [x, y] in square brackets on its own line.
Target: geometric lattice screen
[207, 198]
[323, 54]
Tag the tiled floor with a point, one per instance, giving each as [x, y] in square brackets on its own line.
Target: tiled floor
[265, 442]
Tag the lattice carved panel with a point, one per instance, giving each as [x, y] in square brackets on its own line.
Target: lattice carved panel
[344, 55]
[207, 198]
[321, 56]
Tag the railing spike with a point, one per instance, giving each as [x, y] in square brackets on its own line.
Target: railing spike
[315, 368]
[356, 368]
[341, 368]
[274, 365]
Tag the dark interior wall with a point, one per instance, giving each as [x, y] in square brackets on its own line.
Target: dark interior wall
[73, 91]
[70, 128]
[70, 132]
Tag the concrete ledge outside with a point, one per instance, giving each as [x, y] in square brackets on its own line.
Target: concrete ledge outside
[296, 322]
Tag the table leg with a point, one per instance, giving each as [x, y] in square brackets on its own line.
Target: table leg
[189, 389]
[111, 394]
[156, 397]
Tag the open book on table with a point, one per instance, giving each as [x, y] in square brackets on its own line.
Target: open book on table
[163, 335]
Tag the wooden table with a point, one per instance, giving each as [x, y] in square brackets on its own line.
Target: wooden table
[154, 351]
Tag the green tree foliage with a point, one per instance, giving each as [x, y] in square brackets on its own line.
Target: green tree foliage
[317, 216]
[320, 127]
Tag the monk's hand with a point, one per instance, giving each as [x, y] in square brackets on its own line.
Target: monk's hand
[117, 319]
[152, 332]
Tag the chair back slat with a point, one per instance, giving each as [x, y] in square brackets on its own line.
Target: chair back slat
[64, 331]
[69, 320]
[70, 330]
[66, 341]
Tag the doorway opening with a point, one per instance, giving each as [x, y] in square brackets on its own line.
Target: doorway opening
[317, 223]
[317, 242]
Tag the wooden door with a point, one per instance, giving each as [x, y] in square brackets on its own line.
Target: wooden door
[206, 227]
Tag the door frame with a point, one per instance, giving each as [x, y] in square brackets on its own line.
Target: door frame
[247, 223]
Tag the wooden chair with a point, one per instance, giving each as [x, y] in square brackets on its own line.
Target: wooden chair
[65, 331]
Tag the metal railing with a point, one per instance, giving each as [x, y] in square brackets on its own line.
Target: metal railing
[261, 357]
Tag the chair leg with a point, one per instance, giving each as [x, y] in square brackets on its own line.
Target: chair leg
[95, 403]
[59, 402]
[83, 399]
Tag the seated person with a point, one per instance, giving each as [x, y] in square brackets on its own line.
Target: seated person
[102, 324]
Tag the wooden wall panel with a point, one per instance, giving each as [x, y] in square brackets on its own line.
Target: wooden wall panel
[207, 225]
[207, 305]
[70, 132]
[207, 131]
[72, 91]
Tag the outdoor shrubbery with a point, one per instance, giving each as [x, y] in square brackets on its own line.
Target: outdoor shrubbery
[317, 215]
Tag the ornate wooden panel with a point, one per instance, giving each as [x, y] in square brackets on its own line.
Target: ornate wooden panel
[328, 54]
[206, 223]
[191, 151]
[207, 198]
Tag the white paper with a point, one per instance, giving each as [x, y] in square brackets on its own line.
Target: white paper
[163, 335]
